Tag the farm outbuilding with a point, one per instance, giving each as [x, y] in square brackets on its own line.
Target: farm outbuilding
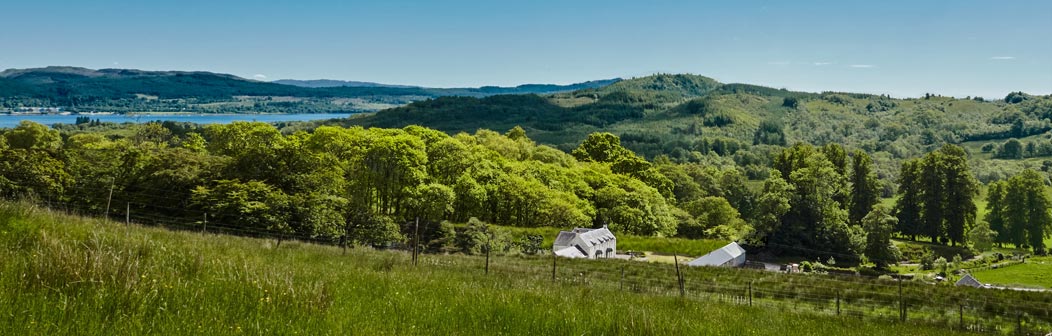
[731, 255]
[585, 243]
[968, 280]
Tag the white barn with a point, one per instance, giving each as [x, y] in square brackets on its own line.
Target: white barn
[732, 255]
[585, 243]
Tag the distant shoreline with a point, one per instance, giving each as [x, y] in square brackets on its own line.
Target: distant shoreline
[15, 114]
[13, 120]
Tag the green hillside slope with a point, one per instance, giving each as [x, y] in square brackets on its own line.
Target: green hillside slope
[69, 275]
[688, 117]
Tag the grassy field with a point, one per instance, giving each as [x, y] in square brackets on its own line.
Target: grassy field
[975, 147]
[1036, 272]
[68, 275]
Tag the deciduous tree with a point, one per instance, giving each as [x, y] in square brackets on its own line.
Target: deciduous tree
[879, 225]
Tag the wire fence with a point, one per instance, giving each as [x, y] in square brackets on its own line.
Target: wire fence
[842, 296]
[997, 265]
[966, 315]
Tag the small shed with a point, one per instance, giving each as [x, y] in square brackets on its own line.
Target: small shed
[585, 243]
[968, 280]
[732, 255]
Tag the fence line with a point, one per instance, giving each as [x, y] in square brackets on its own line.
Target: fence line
[962, 317]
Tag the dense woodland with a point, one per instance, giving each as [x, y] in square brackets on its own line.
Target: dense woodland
[366, 186]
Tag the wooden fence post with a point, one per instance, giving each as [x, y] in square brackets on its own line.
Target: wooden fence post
[109, 199]
[838, 303]
[750, 293]
[553, 266]
[679, 276]
[1019, 323]
[902, 304]
[416, 244]
[622, 277]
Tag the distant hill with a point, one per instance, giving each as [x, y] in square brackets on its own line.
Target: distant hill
[325, 83]
[85, 84]
[546, 88]
[49, 74]
[596, 107]
[124, 90]
[480, 91]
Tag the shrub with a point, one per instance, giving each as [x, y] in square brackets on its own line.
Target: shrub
[531, 244]
[927, 260]
[478, 236]
[941, 265]
[988, 147]
[442, 238]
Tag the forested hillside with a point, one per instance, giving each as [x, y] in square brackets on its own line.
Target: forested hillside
[690, 118]
[123, 90]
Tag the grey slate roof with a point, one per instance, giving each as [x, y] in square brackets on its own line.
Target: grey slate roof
[720, 256]
[564, 238]
[571, 252]
[968, 280]
[594, 236]
[591, 237]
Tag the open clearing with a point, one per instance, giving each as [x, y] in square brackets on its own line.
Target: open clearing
[1035, 272]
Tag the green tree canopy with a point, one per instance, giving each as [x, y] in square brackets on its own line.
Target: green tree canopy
[879, 225]
[715, 218]
[31, 135]
[864, 187]
[1025, 211]
[601, 147]
[815, 217]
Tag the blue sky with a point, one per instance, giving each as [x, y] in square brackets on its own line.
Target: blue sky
[903, 48]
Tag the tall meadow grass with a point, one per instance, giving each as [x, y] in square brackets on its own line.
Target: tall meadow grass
[69, 275]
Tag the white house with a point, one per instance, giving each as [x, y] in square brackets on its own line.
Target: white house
[731, 255]
[585, 243]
